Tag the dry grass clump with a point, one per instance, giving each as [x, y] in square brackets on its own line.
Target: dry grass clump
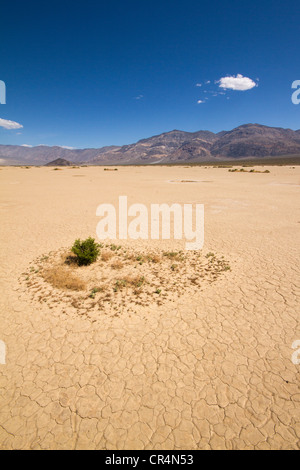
[117, 264]
[106, 256]
[62, 278]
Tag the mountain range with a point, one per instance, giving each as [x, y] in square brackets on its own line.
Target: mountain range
[244, 142]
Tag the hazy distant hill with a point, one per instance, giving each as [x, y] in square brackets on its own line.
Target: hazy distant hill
[42, 154]
[249, 140]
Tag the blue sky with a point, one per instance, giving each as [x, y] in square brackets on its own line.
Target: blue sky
[95, 73]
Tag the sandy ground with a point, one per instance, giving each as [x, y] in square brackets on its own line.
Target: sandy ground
[212, 370]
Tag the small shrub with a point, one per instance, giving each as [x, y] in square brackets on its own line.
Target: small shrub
[87, 251]
[173, 255]
[95, 291]
[114, 247]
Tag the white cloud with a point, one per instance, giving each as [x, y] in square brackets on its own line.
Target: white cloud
[200, 101]
[10, 124]
[239, 83]
[198, 84]
[139, 97]
[26, 145]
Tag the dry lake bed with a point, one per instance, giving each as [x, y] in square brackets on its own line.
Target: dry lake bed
[156, 347]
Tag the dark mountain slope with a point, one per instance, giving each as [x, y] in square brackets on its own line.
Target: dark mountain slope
[249, 140]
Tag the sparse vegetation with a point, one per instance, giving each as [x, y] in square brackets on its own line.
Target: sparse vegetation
[114, 247]
[173, 255]
[129, 281]
[121, 279]
[241, 170]
[153, 258]
[222, 166]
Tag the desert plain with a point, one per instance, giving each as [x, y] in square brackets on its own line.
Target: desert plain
[200, 366]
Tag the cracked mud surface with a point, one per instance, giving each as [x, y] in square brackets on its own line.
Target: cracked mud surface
[211, 370]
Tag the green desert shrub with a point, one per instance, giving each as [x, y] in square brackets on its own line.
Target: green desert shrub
[87, 251]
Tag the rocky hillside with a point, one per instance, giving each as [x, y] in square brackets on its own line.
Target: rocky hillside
[249, 140]
[253, 140]
[59, 162]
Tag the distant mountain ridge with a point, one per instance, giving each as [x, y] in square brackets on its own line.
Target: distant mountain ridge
[246, 141]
